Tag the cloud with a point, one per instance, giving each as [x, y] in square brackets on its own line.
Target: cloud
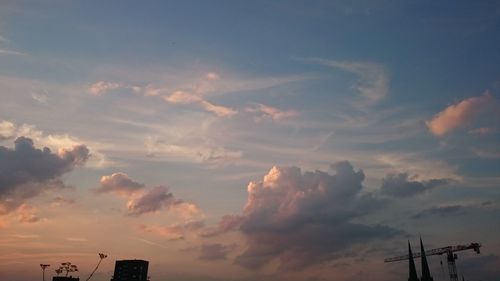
[26, 171]
[175, 231]
[7, 130]
[103, 87]
[27, 214]
[304, 218]
[142, 200]
[219, 110]
[11, 52]
[460, 114]
[482, 131]
[182, 97]
[215, 251]
[266, 111]
[401, 185]
[441, 211]
[40, 97]
[59, 201]
[213, 76]
[373, 82]
[153, 200]
[119, 183]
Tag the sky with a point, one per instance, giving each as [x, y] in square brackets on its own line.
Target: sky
[248, 140]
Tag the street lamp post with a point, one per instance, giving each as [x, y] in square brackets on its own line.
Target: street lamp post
[44, 266]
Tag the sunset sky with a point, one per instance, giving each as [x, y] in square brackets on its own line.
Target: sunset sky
[248, 140]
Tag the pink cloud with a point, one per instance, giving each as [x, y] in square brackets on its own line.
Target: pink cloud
[119, 183]
[303, 218]
[102, 87]
[27, 214]
[274, 113]
[181, 97]
[219, 110]
[460, 114]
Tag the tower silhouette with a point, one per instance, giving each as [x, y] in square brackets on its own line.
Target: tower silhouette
[413, 271]
[426, 274]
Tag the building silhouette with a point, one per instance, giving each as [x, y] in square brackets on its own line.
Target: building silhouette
[131, 270]
[65, 278]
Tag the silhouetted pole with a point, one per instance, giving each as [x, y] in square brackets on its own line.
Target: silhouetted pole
[101, 257]
[44, 266]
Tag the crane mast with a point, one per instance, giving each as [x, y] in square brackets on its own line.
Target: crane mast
[450, 256]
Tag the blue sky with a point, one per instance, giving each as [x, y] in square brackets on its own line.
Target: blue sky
[194, 132]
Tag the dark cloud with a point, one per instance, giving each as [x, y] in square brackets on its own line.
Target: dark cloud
[441, 211]
[155, 199]
[26, 171]
[401, 185]
[119, 183]
[304, 218]
[215, 251]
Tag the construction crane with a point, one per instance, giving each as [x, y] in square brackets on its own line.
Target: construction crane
[450, 255]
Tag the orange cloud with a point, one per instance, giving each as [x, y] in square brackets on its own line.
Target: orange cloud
[459, 114]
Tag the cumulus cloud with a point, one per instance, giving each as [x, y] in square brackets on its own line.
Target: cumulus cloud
[215, 251]
[402, 185]
[119, 183]
[9, 130]
[460, 114]
[26, 171]
[101, 87]
[158, 198]
[142, 200]
[266, 111]
[303, 218]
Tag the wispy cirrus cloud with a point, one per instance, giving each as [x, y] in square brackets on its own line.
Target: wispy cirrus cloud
[373, 78]
[265, 111]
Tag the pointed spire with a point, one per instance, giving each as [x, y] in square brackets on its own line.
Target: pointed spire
[413, 271]
[426, 274]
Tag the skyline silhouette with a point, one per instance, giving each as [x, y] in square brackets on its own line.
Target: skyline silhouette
[271, 140]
